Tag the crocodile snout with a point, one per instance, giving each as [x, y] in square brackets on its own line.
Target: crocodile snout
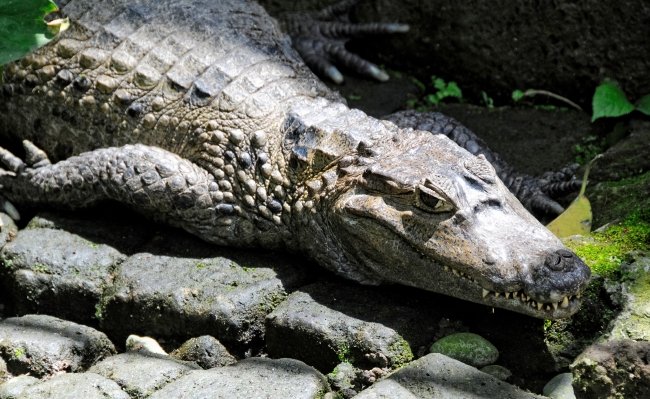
[560, 260]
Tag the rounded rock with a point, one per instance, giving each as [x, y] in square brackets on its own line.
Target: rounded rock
[560, 387]
[471, 349]
[497, 371]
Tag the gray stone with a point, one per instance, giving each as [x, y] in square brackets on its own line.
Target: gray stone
[177, 287]
[135, 343]
[206, 351]
[342, 377]
[75, 386]
[57, 272]
[614, 369]
[250, 378]
[140, 374]
[8, 229]
[438, 376]
[44, 345]
[326, 323]
[4, 374]
[15, 386]
[497, 371]
[468, 348]
[631, 294]
[559, 387]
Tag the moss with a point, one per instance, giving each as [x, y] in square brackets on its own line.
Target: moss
[615, 200]
[605, 251]
[400, 352]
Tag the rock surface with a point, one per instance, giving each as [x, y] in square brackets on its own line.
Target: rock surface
[324, 324]
[497, 371]
[44, 345]
[250, 378]
[206, 351]
[437, 376]
[142, 374]
[468, 348]
[617, 368]
[559, 387]
[633, 295]
[75, 386]
[15, 386]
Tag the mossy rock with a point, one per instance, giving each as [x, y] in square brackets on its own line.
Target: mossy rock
[468, 348]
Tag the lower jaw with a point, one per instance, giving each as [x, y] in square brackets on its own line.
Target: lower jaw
[462, 288]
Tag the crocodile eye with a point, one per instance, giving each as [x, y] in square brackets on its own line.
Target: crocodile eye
[430, 201]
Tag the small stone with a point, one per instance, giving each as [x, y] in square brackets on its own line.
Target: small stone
[206, 351]
[497, 371]
[468, 348]
[135, 343]
[15, 386]
[559, 387]
[342, 377]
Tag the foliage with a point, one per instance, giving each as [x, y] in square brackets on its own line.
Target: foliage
[588, 149]
[443, 90]
[607, 249]
[487, 100]
[23, 28]
[610, 101]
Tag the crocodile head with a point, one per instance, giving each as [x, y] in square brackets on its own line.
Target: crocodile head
[428, 214]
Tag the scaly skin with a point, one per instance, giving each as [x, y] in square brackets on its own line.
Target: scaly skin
[202, 116]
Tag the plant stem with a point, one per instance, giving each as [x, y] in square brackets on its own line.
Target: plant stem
[531, 93]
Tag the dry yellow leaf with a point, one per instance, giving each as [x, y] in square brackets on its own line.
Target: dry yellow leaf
[576, 219]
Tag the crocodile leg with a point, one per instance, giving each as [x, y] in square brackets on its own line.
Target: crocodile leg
[320, 37]
[150, 179]
[537, 194]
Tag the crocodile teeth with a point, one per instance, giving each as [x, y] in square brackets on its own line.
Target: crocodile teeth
[539, 306]
[565, 303]
[548, 307]
[454, 271]
[523, 297]
[496, 294]
[485, 292]
[507, 295]
[578, 295]
[555, 305]
[514, 294]
[446, 268]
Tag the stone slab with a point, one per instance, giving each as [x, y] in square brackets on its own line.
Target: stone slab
[206, 351]
[141, 374]
[75, 386]
[326, 323]
[250, 378]
[180, 287]
[57, 272]
[437, 376]
[43, 345]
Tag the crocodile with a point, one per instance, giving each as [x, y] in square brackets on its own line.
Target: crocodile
[201, 115]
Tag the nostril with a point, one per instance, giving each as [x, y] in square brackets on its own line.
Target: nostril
[565, 253]
[554, 262]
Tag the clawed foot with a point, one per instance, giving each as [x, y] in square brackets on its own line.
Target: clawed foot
[553, 186]
[320, 37]
[34, 158]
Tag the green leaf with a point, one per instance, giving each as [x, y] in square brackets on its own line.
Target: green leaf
[432, 98]
[438, 83]
[610, 101]
[643, 104]
[450, 90]
[22, 27]
[517, 95]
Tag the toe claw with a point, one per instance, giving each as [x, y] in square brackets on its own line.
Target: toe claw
[12, 162]
[9, 209]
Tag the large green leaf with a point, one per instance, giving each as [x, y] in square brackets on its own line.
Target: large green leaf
[22, 28]
[610, 101]
[643, 104]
